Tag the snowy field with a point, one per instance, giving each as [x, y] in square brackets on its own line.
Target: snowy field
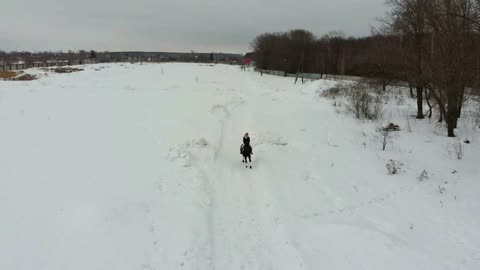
[129, 166]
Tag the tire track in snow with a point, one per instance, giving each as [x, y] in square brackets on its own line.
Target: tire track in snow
[213, 185]
[209, 205]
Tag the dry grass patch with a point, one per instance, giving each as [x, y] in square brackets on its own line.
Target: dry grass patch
[8, 75]
[25, 77]
[66, 70]
[16, 76]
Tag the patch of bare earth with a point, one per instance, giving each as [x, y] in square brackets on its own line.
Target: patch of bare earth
[16, 76]
[26, 77]
[7, 75]
[65, 70]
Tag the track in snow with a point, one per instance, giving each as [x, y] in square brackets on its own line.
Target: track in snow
[242, 227]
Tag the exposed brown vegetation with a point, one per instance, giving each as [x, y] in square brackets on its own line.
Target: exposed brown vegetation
[7, 75]
[66, 70]
[25, 77]
[16, 76]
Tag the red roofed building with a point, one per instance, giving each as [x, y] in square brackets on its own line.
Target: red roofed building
[249, 59]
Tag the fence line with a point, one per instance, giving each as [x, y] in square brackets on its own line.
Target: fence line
[310, 76]
[317, 76]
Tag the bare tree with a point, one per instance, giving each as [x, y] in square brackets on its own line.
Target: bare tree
[301, 43]
[385, 136]
[450, 68]
[408, 19]
[263, 47]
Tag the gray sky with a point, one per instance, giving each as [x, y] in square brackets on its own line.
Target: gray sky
[173, 25]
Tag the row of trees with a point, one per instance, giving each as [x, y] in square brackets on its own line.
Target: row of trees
[102, 57]
[300, 51]
[29, 57]
[433, 45]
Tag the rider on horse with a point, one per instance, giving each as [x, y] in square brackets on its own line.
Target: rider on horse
[246, 149]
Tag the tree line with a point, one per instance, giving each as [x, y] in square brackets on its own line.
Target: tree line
[431, 45]
[32, 57]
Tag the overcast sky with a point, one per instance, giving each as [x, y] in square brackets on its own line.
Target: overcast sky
[173, 25]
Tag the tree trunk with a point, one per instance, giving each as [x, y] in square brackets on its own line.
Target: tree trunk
[450, 129]
[411, 91]
[452, 110]
[455, 110]
[386, 84]
[420, 102]
[430, 109]
[460, 102]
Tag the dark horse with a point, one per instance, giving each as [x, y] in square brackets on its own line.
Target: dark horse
[246, 151]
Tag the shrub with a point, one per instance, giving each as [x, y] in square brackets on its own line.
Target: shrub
[394, 167]
[384, 136]
[333, 92]
[456, 149]
[363, 104]
[423, 176]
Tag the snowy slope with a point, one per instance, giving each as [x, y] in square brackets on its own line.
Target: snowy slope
[126, 166]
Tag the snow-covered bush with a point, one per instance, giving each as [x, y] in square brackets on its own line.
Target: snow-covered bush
[336, 91]
[385, 136]
[409, 125]
[362, 103]
[361, 99]
[377, 108]
[477, 116]
[400, 99]
[357, 100]
[423, 176]
[394, 167]
[202, 142]
[456, 149]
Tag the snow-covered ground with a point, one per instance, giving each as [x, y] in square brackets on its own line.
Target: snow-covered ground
[125, 166]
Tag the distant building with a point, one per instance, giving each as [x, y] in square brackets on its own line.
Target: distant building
[249, 59]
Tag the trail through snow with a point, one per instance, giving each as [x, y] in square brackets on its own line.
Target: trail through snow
[241, 204]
